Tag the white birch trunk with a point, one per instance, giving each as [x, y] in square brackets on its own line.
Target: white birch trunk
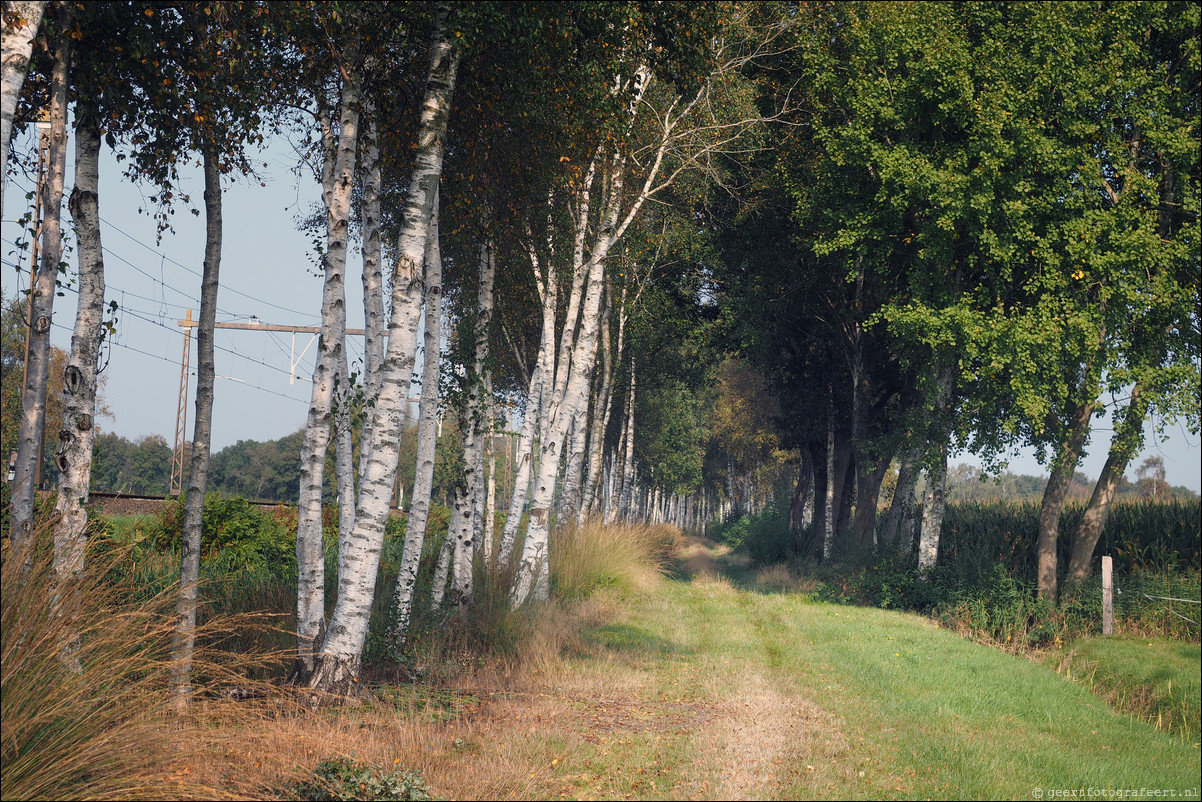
[490, 492]
[427, 436]
[198, 467]
[338, 176]
[75, 454]
[33, 397]
[573, 475]
[596, 451]
[626, 494]
[537, 406]
[932, 511]
[442, 569]
[21, 22]
[338, 664]
[374, 324]
[344, 457]
[462, 532]
[532, 578]
[523, 460]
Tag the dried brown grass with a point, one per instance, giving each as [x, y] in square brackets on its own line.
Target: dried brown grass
[86, 668]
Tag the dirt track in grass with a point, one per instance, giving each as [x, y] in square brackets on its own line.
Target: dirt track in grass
[702, 689]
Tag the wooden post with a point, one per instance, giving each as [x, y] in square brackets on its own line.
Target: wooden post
[1107, 596]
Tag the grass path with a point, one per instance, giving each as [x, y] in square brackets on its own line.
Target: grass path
[701, 689]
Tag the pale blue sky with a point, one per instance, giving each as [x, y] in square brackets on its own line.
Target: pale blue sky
[267, 271]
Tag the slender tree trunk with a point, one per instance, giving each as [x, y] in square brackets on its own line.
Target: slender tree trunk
[427, 436]
[462, 529]
[344, 457]
[932, 510]
[374, 323]
[75, 455]
[531, 581]
[573, 475]
[626, 494]
[1127, 440]
[328, 371]
[1054, 496]
[538, 400]
[589, 502]
[338, 664]
[198, 464]
[523, 459]
[20, 26]
[903, 499]
[828, 513]
[490, 493]
[41, 302]
[801, 493]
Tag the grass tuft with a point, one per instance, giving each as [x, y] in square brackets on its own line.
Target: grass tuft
[626, 557]
[98, 724]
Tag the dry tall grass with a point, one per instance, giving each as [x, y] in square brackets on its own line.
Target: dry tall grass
[628, 557]
[104, 730]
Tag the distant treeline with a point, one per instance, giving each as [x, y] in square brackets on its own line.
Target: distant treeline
[260, 471]
[270, 471]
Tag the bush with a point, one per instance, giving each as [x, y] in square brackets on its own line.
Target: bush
[234, 535]
[764, 536]
[336, 779]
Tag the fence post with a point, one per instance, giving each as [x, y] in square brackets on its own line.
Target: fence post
[1107, 596]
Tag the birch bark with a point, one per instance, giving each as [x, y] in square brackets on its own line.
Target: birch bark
[626, 493]
[427, 436]
[537, 401]
[20, 25]
[532, 580]
[596, 453]
[932, 511]
[198, 467]
[374, 324]
[463, 529]
[41, 302]
[338, 664]
[75, 454]
[338, 177]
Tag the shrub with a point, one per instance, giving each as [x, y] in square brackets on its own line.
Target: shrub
[764, 536]
[336, 779]
[234, 535]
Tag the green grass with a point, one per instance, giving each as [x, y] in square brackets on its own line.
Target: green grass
[849, 702]
[1158, 681]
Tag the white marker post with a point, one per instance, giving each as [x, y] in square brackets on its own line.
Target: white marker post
[1107, 596]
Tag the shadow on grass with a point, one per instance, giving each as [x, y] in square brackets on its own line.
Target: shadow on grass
[627, 639]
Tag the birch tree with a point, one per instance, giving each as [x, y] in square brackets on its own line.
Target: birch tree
[80, 380]
[338, 175]
[419, 508]
[337, 664]
[20, 24]
[33, 398]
